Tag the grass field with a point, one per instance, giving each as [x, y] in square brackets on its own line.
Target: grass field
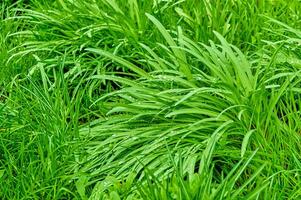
[150, 99]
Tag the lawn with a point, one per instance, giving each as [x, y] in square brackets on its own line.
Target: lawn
[150, 99]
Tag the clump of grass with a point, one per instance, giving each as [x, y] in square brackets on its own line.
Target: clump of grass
[150, 100]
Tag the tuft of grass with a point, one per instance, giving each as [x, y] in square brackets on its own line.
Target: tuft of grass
[177, 99]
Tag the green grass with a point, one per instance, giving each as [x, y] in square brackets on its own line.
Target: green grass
[177, 99]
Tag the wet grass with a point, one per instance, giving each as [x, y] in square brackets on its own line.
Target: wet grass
[150, 99]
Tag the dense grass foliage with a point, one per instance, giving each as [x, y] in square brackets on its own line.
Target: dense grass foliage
[158, 99]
